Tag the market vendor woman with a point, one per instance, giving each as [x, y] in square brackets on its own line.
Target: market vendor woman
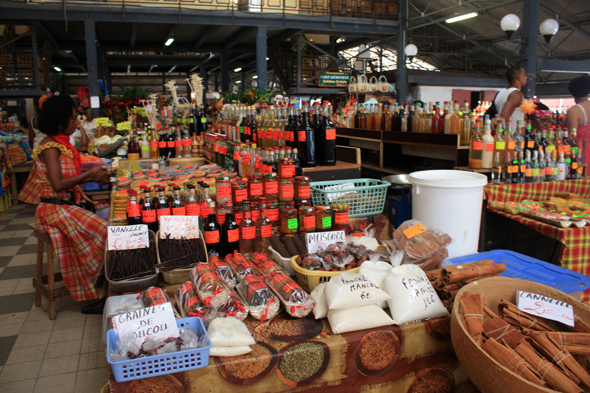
[78, 235]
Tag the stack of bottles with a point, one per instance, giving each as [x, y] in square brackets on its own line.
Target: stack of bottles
[169, 142]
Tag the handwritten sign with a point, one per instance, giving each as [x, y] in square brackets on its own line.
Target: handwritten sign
[546, 307]
[315, 240]
[177, 227]
[146, 323]
[332, 196]
[128, 237]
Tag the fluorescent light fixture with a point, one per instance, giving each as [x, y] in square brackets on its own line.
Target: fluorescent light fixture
[238, 82]
[169, 41]
[238, 69]
[57, 69]
[255, 77]
[461, 17]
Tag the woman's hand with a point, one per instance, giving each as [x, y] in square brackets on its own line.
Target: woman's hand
[99, 174]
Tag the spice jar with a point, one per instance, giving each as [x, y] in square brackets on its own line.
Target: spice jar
[323, 218]
[340, 216]
[272, 212]
[239, 192]
[302, 187]
[301, 202]
[306, 219]
[288, 218]
[238, 213]
[223, 186]
[255, 187]
[271, 187]
[286, 190]
[286, 167]
[255, 210]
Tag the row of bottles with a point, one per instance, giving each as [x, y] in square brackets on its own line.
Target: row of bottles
[195, 120]
[171, 142]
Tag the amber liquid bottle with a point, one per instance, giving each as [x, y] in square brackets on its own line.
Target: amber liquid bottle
[212, 231]
[230, 232]
[247, 231]
[263, 228]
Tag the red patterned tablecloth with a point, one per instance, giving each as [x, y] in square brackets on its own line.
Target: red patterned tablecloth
[575, 252]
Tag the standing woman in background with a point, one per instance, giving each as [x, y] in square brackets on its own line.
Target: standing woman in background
[578, 116]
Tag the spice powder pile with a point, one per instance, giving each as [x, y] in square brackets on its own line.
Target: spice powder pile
[442, 326]
[154, 385]
[301, 361]
[432, 382]
[248, 365]
[377, 351]
[288, 327]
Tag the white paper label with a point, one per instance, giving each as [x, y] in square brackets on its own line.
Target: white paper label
[177, 227]
[546, 307]
[151, 322]
[128, 237]
[316, 240]
[335, 195]
[94, 102]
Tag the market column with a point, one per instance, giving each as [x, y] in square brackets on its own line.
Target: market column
[224, 72]
[261, 57]
[401, 76]
[92, 66]
[530, 28]
[203, 75]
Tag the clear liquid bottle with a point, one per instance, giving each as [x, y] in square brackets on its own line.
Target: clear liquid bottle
[263, 228]
[500, 141]
[507, 169]
[497, 170]
[437, 119]
[518, 137]
[561, 168]
[247, 231]
[178, 207]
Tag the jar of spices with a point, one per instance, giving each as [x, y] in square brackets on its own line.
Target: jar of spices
[302, 187]
[286, 190]
[255, 187]
[239, 212]
[272, 212]
[255, 210]
[301, 202]
[323, 218]
[340, 221]
[223, 186]
[286, 167]
[289, 221]
[271, 187]
[306, 219]
[239, 192]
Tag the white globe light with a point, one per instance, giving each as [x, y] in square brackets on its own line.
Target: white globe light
[411, 50]
[549, 27]
[254, 84]
[510, 22]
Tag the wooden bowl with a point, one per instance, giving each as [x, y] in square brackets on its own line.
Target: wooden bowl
[176, 382]
[312, 377]
[486, 373]
[312, 327]
[238, 381]
[372, 373]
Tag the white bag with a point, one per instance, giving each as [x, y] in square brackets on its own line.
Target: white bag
[412, 296]
[349, 290]
[229, 332]
[320, 310]
[229, 351]
[359, 318]
[376, 272]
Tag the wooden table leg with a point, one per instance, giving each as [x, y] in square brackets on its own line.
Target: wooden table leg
[51, 280]
[13, 188]
[39, 271]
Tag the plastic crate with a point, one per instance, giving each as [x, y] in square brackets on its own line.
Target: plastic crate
[527, 268]
[151, 366]
[93, 186]
[367, 198]
[309, 279]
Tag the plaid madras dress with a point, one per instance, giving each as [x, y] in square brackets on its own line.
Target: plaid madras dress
[78, 236]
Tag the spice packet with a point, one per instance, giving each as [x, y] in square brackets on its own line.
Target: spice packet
[209, 286]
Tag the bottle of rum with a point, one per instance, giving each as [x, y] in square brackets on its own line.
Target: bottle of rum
[148, 212]
[529, 168]
[263, 228]
[247, 231]
[476, 147]
[230, 231]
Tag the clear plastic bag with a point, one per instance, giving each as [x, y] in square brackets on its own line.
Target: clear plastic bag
[234, 307]
[191, 305]
[229, 332]
[296, 301]
[154, 296]
[261, 301]
[265, 265]
[240, 266]
[209, 286]
[320, 309]
[224, 271]
[419, 242]
[348, 290]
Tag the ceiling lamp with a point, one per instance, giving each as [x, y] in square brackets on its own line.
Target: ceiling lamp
[548, 28]
[509, 24]
[57, 69]
[411, 50]
[238, 69]
[169, 41]
[461, 17]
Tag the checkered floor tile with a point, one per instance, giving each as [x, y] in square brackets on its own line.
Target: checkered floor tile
[37, 354]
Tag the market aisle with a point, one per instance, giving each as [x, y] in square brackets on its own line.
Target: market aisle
[37, 354]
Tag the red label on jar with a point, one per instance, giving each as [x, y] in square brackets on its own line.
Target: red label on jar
[163, 212]
[241, 195]
[266, 231]
[179, 211]
[193, 209]
[186, 142]
[233, 235]
[248, 233]
[301, 136]
[133, 210]
[341, 218]
[224, 192]
[273, 214]
[287, 170]
[261, 134]
[170, 144]
[255, 215]
[255, 189]
[220, 219]
[288, 190]
[330, 134]
[239, 217]
[271, 187]
[212, 237]
[148, 216]
[304, 192]
[308, 222]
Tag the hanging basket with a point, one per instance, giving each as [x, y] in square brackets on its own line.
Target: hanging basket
[363, 85]
[373, 84]
[352, 86]
[383, 84]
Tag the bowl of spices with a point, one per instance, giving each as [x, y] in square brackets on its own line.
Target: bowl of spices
[249, 368]
[301, 363]
[439, 328]
[377, 353]
[287, 328]
[161, 384]
[436, 379]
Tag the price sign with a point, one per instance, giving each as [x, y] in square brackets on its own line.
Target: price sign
[146, 323]
[344, 186]
[177, 227]
[546, 307]
[128, 237]
[315, 240]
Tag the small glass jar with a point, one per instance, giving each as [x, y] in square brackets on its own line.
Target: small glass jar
[286, 168]
[239, 192]
[272, 212]
[289, 221]
[340, 220]
[306, 219]
[255, 187]
[301, 202]
[302, 187]
[223, 187]
[239, 213]
[323, 218]
[271, 187]
[286, 190]
[255, 209]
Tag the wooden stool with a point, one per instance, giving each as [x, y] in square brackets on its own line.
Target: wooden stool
[45, 285]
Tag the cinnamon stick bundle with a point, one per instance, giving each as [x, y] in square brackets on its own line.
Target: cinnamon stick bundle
[472, 308]
[434, 275]
[577, 349]
[514, 316]
[474, 271]
[512, 361]
[499, 329]
[547, 370]
[566, 338]
[580, 326]
[452, 287]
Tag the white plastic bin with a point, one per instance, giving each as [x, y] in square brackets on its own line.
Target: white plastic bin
[450, 201]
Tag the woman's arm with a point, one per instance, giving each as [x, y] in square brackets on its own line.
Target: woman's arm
[573, 118]
[60, 183]
[31, 134]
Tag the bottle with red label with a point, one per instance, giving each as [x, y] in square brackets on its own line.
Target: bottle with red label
[340, 220]
[223, 187]
[230, 231]
[133, 209]
[171, 144]
[247, 231]
[306, 141]
[162, 206]
[263, 228]
[296, 162]
[148, 212]
[212, 230]
[255, 187]
[193, 208]
[326, 138]
[178, 207]
[205, 201]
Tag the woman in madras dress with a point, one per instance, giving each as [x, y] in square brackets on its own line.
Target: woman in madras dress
[78, 236]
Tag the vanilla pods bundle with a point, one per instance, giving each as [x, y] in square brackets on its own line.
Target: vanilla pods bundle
[181, 252]
[135, 263]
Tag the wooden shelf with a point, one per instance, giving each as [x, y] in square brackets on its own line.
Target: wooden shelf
[467, 169]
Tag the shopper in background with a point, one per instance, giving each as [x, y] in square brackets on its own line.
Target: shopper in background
[89, 124]
[541, 117]
[508, 101]
[578, 116]
[78, 235]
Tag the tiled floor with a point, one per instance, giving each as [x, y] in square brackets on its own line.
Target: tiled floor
[37, 354]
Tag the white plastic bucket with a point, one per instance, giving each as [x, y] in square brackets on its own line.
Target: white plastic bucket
[450, 201]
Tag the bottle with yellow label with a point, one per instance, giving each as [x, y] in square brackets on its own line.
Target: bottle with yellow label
[510, 140]
[500, 141]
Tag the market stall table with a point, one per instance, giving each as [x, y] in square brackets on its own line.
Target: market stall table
[27, 167]
[575, 241]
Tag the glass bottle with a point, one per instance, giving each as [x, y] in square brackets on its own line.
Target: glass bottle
[162, 206]
[561, 168]
[535, 166]
[297, 162]
[247, 231]
[510, 141]
[230, 232]
[171, 143]
[178, 207]
[263, 228]
[148, 212]
[326, 138]
[500, 141]
[205, 200]
[515, 168]
[518, 137]
[144, 146]
[306, 140]
[465, 126]
[211, 231]
[436, 119]
[549, 164]
[476, 147]
[529, 138]
[396, 119]
[448, 118]
[306, 219]
[488, 145]
[497, 170]
[193, 208]
[528, 178]
[133, 209]
[507, 169]
[573, 167]
[542, 165]
[522, 164]
[455, 122]
[271, 187]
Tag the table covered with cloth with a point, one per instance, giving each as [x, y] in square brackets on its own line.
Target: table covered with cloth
[575, 250]
[416, 357]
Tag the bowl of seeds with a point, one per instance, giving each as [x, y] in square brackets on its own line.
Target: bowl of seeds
[377, 353]
[301, 363]
[249, 368]
[287, 328]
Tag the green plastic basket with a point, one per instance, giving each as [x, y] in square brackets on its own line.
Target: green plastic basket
[367, 198]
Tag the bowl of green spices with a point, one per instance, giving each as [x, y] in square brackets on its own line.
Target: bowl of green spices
[301, 363]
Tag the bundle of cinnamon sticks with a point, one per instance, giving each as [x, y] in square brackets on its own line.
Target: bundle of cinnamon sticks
[532, 347]
[447, 281]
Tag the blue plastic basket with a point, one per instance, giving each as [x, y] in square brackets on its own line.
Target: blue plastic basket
[367, 198]
[527, 268]
[151, 366]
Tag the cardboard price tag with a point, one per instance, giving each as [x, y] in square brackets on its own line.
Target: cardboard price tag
[345, 186]
[546, 307]
[128, 237]
[316, 240]
[146, 323]
[177, 227]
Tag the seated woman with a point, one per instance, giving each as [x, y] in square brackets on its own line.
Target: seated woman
[578, 116]
[78, 235]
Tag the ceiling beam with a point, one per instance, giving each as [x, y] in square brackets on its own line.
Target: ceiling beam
[238, 36]
[133, 34]
[204, 36]
[40, 26]
[278, 38]
[118, 46]
[566, 22]
[547, 65]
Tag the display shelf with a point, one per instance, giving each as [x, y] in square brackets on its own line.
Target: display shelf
[467, 169]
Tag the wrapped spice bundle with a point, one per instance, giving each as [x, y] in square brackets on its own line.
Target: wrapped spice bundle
[234, 307]
[451, 276]
[191, 305]
[261, 302]
[472, 307]
[240, 265]
[180, 253]
[421, 244]
[224, 271]
[209, 286]
[154, 296]
[132, 264]
[515, 317]
[265, 265]
[512, 361]
[296, 301]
